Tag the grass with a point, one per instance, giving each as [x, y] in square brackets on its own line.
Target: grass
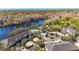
[20, 30]
[65, 22]
[17, 31]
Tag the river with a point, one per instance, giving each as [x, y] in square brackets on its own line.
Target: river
[4, 31]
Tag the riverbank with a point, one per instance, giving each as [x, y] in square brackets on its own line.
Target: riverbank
[4, 41]
[3, 45]
[17, 17]
[60, 32]
[5, 31]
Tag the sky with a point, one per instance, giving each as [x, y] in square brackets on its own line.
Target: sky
[39, 4]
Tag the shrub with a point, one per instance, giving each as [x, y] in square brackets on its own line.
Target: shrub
[65, 22]
[70, 38]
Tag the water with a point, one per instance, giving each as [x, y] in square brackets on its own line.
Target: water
[4, 31]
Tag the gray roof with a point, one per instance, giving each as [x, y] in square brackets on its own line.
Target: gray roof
[66, 46]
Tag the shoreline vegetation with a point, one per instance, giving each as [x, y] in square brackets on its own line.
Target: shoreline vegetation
[8, 18]
[56, 20]
[17, 17]
[20, 30]
[61, 28]
[62, 23]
